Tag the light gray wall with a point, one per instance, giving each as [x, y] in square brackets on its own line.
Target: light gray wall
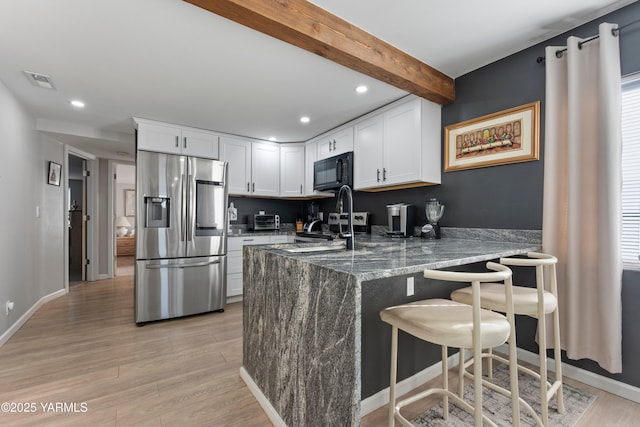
[30, 247]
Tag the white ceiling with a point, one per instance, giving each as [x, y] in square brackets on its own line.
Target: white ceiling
[171, 61]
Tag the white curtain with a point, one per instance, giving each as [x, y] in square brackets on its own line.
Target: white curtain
[582, 182]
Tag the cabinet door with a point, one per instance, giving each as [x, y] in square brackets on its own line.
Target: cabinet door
[234, 261]
[367, 159]
[237, 153]
[310, 156]
[159, 138]
[265, 169]
[199, 144]
[403, 144]
[336, 143]
[292, 170]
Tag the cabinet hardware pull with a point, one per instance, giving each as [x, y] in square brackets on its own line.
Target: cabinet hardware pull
[253, 187]
[248, 188]
[378, 175]
[195, 264]
[330, 146]
[334, 145]
[300, 188]
[384, 174]
[177, 138]
[185, 142]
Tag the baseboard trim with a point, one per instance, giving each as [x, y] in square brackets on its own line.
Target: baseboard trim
[236, 298]
[609, 385]
[272, 414]
[23, 319]
[381, 398]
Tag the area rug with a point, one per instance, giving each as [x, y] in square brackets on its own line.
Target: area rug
[497, 407]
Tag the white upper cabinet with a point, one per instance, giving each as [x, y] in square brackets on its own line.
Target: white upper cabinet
[265, 169]
[237, 153]
[292, 177]
[200, 144]
[398, 147]
[335, 143]
[254, 167]
[367, 156]
[167, 138]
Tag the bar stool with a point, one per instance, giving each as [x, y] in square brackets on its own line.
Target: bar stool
[453, 324]
[534, 302]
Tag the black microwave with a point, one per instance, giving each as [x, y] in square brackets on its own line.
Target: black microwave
[334, 172]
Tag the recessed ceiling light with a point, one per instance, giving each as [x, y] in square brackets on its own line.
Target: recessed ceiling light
[273, 138]
[362, 89]
[304, 119]
[77, 104]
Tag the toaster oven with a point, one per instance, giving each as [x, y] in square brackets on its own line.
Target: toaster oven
[264, 222]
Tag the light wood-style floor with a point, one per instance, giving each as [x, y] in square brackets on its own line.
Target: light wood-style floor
[85, 348]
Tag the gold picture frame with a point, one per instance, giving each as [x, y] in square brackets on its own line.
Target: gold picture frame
[130, 202]
[508, 136]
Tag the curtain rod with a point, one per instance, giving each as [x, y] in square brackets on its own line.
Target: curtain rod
[614, 32]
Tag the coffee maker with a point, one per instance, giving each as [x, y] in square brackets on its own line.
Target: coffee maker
[401, 220]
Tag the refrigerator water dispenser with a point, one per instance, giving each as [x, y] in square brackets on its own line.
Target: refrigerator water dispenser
[157, 212]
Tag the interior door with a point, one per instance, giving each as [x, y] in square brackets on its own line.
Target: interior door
[85, 218]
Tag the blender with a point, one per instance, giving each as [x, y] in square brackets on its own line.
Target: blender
[434, 211]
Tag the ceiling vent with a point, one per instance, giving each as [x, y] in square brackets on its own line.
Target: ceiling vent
[39, 80]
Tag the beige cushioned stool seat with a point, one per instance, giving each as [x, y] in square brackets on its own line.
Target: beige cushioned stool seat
[525, 300]
[447, 322]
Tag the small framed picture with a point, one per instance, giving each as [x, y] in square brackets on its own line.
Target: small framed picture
[130, 202]
[55, 170]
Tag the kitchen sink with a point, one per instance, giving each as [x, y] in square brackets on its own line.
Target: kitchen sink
[323, 248]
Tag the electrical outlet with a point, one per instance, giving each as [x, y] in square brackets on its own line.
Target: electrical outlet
[410, 290]
[8, 307]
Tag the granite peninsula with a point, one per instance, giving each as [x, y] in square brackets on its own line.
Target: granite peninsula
[313, 344]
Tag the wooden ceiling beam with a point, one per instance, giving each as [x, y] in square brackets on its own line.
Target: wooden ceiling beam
[312, 28]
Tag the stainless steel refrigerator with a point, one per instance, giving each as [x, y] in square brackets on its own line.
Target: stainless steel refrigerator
[181, 243]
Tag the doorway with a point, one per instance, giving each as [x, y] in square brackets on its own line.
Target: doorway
[77, 219]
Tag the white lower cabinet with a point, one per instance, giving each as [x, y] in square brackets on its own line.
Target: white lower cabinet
[234, 260]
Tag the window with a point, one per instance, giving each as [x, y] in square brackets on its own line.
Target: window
[631, 172]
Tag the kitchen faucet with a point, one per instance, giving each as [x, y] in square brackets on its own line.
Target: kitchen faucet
[349, 236]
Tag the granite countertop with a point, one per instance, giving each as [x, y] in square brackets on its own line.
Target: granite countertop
[376, 257]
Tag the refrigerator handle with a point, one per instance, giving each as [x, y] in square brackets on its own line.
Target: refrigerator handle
[183, 209]
[195, 264]
[191, 207]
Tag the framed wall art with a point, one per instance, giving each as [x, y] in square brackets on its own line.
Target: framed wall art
[508, 136]
[130, 202]
[55, 170]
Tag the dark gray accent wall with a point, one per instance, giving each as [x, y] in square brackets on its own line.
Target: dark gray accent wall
[510, 196]
[513, 81]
